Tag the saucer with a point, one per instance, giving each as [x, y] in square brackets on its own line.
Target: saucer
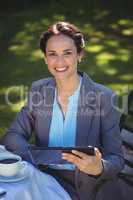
[20, 176]
[2, 149]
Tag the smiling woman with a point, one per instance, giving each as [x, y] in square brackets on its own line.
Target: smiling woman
[70, 110]
[61, 57]
[63, 46]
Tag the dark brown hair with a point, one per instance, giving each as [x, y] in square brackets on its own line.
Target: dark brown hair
[63, 28]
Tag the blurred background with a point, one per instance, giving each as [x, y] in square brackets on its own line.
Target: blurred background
[108, 29]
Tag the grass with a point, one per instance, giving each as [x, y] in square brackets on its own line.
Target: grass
[109, 48]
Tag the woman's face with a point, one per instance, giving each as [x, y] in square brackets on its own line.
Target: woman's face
[61, 56]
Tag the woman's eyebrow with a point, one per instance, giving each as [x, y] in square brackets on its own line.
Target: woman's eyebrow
[68, 50]
[51, 51]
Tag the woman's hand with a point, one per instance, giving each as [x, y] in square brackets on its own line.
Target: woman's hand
[88, 164]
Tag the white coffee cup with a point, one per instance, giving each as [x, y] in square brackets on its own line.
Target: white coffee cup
[10, 165]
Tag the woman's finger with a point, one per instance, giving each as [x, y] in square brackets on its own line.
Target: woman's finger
[98, 153]
[71, 158]
[80, 154]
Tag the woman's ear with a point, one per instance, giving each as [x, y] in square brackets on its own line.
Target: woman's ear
[80, 56]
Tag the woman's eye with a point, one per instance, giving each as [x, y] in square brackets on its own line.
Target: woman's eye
[52, 54]
[68, 53]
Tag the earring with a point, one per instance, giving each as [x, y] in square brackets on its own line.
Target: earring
[79, 60]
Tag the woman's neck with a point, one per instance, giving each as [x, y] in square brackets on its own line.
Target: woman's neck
[68, 86]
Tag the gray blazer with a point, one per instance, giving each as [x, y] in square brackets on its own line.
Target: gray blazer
[97, 125]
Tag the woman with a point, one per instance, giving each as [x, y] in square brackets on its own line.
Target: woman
[71, 110]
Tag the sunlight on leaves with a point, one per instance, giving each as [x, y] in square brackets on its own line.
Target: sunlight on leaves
[29, 28]
[16, 107]
[111, 71]
[125, 22]
[127, 77]
[125, 26]
[120, 89]
[13, 107]
[112, 43]
[14, 98]
[99, 34]
[59, 17]
[23, 36]
[22, 43]
[89, 29]
[2, 90]
[127, 32]
[2, 130]
[20, 49]
[104, 58]
[94, 48]
[94, 39]
[123, 54]
[114, 26]
[15, 94]
[123, 57]
[99, 14]
[36, 55]
[45, 21]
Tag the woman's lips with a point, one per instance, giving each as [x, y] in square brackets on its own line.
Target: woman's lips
[61, 69]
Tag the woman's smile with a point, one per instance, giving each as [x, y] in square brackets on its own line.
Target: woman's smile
[61, 69]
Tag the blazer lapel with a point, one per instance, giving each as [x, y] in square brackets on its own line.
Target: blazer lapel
[85, 112]
[48, 92]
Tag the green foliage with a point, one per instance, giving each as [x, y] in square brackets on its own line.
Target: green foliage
[109, 47]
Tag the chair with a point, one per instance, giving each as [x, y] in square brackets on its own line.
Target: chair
[126, 126]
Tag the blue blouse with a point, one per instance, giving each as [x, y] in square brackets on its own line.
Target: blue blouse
[63, 129]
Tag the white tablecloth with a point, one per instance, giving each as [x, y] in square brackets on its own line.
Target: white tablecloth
[35, 186]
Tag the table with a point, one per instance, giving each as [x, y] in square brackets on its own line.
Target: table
[35, 186]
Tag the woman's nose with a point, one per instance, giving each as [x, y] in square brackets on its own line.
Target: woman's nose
[60, 60]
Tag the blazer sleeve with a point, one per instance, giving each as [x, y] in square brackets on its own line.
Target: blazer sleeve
[111, 142]
[113, 160]
[17, 136]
